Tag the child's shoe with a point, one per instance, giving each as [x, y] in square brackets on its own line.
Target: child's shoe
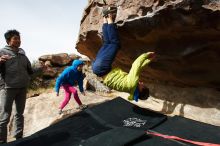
[82, 107]
[60, 112]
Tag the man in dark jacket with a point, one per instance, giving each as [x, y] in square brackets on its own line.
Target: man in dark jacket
[15, 71]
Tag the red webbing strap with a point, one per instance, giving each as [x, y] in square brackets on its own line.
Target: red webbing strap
[182, 139]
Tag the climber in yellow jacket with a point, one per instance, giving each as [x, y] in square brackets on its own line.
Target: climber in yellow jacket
[116, 78]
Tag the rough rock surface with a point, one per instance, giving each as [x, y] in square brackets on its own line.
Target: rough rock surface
[61, 59]
[183, 33]
[93, 82]
[184, 78]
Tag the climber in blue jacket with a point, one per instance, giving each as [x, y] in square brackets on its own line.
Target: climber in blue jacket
[68, 78]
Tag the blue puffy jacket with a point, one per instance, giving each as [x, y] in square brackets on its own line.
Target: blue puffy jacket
[70, 75]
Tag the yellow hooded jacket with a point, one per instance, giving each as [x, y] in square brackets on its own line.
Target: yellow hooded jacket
[119, 80]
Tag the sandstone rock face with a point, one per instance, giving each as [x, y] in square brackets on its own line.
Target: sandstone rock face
[185, 36]
[53, 64]
[74, 56]
[183, 33]
[49, 72]
[94, 83]
[60, 59]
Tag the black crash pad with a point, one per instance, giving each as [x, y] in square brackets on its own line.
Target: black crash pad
[183, 128]
[114, 137]
[121, 113]
[190, 129]
[68, 132]
[104, 119]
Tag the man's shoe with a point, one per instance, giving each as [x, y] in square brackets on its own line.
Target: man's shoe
[109, 10]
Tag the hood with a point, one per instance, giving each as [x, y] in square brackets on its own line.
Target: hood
[76, 63]
[20, 50]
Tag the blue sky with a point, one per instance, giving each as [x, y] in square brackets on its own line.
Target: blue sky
[46, 26]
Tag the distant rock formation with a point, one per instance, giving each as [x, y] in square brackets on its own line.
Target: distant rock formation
[52, 65]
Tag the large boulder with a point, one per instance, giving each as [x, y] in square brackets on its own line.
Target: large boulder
[49, 72]
[61, 59]
[185, 36]
[183, 33]
[74, 56]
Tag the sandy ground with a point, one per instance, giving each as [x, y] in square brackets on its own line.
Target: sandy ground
[42, 111]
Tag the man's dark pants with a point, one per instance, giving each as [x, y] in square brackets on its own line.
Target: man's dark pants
[107, 53]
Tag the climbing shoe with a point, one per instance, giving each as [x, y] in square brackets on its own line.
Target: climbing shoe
[108, 10]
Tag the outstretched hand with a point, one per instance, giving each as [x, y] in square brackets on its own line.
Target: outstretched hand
[57, 93]
[4, 58]
[151, 55]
